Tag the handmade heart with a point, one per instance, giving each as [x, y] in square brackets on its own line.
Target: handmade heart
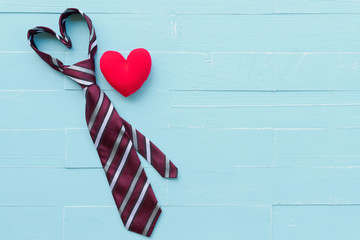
[126, 75]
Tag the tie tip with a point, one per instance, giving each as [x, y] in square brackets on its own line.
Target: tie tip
[149, 231]
[173, 173]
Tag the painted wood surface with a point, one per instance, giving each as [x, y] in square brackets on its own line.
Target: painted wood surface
[257, 102]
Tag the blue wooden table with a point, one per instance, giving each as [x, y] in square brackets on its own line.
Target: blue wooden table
[256, 101]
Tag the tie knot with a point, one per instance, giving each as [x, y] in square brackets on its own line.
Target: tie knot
[82, 72]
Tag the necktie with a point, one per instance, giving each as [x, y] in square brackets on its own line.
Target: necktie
[115, 140]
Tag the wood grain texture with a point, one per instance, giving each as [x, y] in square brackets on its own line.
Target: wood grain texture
[317, 147]
[32, 6]
[178, 6]
[219, 109]
[267, 33]
[29, 222]
[257, 103]
[64, 187]
[299, 222]
[265, 185]
[24, 148]
[251, 222]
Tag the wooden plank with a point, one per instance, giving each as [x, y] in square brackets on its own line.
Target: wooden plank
[213, 71]
[152, 32]
[82, 155]
[267, 33]
[32, 148]
[238, 99]
[257, 147]
[317, 148]
[32, 6]
[214, 109]
[31, 222]
[144, 108]
[18, 73]
[316, 6]
[141, 6]
[42, 109]
[316, 222]
[238, 71]
[184, 6]
[215, 222]
[59, 186]
[266, 185]
[243, 222]
[204, 148]
[16, 33]
[317, 71]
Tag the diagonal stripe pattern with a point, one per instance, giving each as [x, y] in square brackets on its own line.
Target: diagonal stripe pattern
[115, 140]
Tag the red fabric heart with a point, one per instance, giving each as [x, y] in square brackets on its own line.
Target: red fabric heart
[126, 75]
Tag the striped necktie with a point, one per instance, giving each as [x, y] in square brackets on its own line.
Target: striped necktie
[115, 139]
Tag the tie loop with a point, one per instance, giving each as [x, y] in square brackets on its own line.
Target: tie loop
[82, 72]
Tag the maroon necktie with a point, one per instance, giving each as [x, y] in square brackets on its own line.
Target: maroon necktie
[115, 139]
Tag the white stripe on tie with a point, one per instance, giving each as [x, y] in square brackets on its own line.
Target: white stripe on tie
[80, 81]
[103, 125]
[81, 69]
[55, 62]
[115, 148]
[167, 167]
[92, 33]
[131, 189]
[151, 219]
[137, 205]
[96, 110]
[93, 45]
[134, 138]
[148, 150]
[121, 166]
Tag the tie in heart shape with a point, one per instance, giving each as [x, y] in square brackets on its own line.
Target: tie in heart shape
[65, 39]
[126, 75]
